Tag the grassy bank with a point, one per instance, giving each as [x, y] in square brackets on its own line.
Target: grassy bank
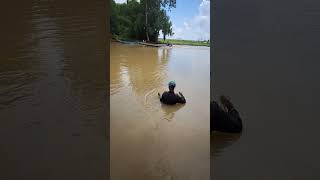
[185, 42]
[170, 41]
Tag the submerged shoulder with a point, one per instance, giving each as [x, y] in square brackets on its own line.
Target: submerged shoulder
[165, 93]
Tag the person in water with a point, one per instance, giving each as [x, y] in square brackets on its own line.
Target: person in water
[170, 97]
[227, 120]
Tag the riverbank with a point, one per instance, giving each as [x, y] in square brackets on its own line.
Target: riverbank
[185, 42]
[168, 41]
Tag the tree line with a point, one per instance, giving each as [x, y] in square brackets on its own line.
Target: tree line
[141, 20]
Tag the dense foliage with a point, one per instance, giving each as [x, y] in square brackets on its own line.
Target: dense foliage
[141, 20]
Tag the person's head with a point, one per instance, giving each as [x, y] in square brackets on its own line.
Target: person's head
[172, 85]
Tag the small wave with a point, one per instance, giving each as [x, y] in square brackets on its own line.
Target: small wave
[14, 86]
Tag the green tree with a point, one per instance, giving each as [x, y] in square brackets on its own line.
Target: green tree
[114, 26]
[152, 13]
[141, 20]
[166, 27]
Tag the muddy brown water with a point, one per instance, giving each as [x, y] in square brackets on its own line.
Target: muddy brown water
[267, 60]
[150, 140]
[53, 90]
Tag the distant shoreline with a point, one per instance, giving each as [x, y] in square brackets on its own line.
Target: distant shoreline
[170, 41]
[185, 42]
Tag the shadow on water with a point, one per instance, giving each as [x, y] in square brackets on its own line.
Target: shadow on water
[220, 141]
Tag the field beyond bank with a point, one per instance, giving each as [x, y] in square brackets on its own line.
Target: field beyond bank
[185, 42]
[170, 41]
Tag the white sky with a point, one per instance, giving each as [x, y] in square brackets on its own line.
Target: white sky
[197, 27]
[120, 1]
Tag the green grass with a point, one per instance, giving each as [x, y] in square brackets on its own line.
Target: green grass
[172, 41]
[185, 42]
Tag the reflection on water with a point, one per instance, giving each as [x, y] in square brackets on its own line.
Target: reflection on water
[150, 140]
[52, 90]
[220, 141]
[169, 111]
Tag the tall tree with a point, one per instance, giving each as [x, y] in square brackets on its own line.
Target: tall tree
[152, 10]
[146, 15]
[141, 20]
[166, 27]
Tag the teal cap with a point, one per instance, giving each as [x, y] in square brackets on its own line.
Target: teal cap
[172, 84]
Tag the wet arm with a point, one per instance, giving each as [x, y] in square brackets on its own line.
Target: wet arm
[229, 121]
[181, 98]
[234, 120]
[160, 96]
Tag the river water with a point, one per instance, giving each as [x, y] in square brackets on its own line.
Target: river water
[53, 90]
[150, 140]
[267, 60]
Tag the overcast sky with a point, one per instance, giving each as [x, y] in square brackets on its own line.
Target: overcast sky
[190, 19]
[120, 1]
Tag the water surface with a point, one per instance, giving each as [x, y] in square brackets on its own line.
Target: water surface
[52, 90]
[267, 60]
[150, 140]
